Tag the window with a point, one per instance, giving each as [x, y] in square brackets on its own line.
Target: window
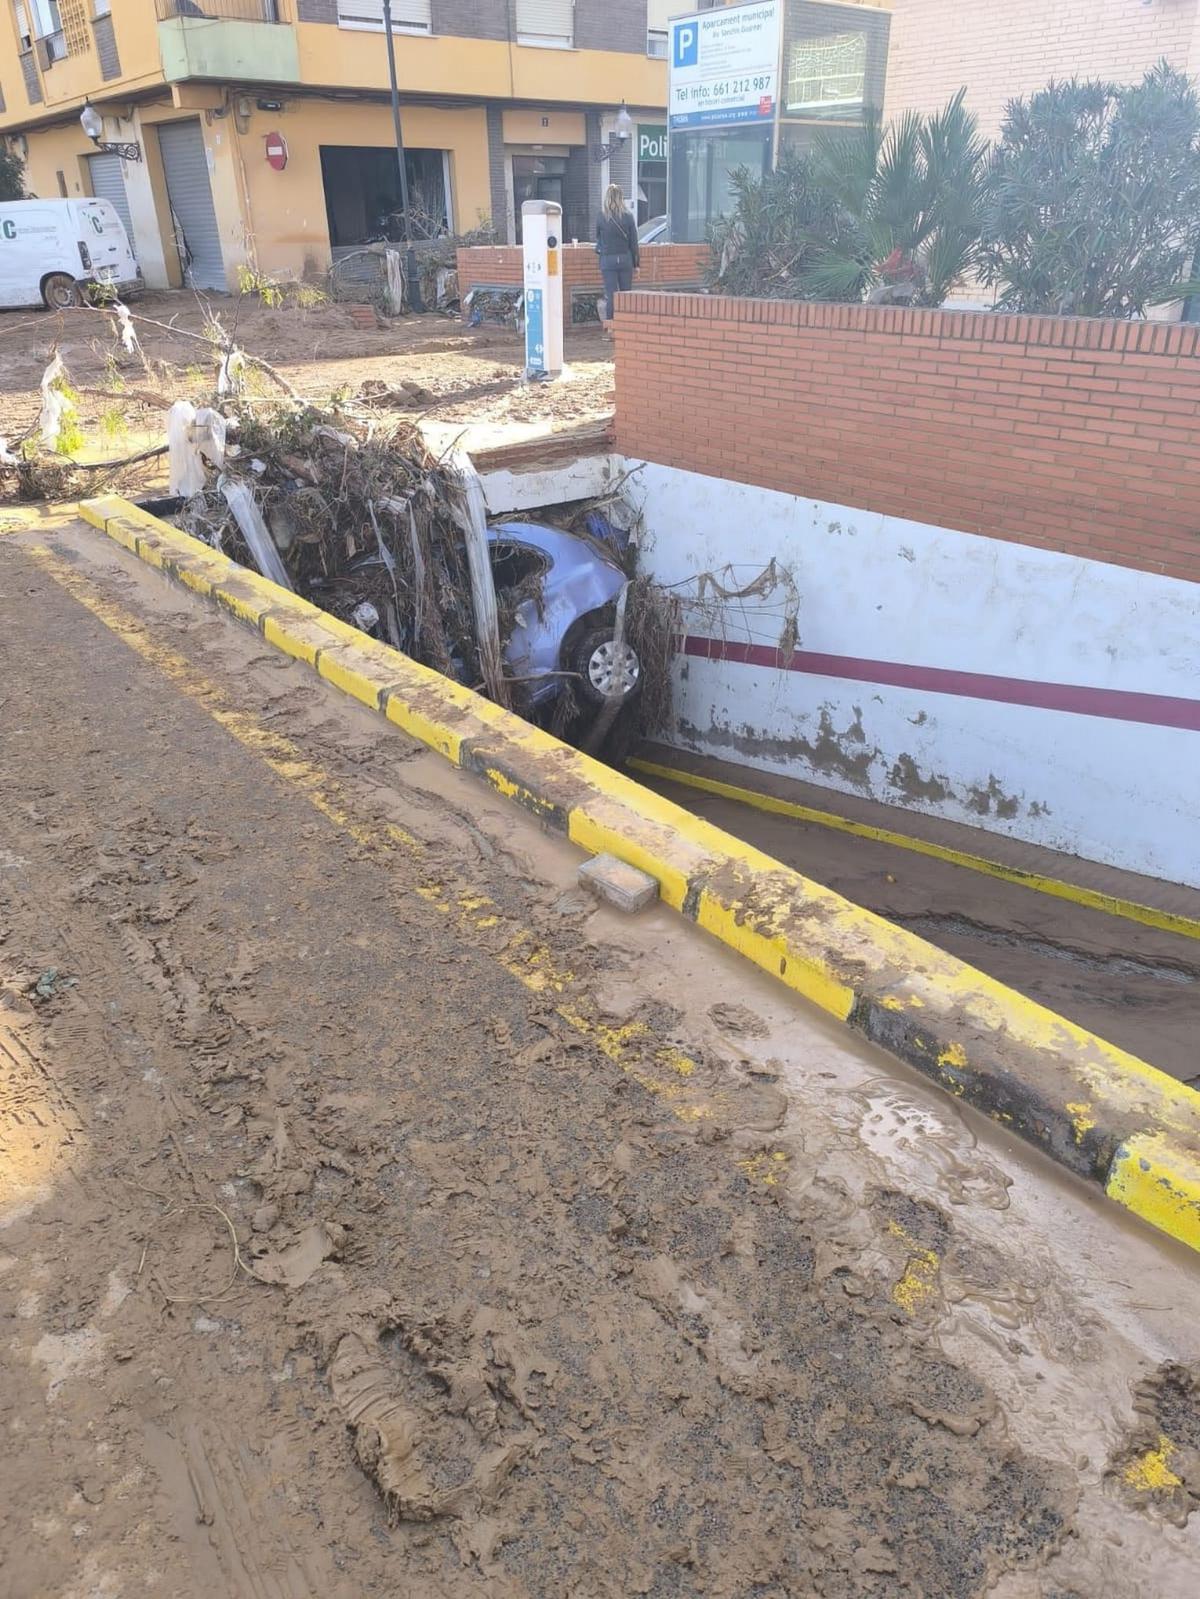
[362, 193]
[827, 75]
[408, 16]
[549, 23]
[658, 15]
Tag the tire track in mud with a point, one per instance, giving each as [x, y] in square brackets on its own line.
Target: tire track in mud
[578, 1341]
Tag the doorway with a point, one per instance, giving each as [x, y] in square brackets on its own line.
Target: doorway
[537, 177]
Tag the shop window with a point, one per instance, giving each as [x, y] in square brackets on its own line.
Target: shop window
[408, 16]
[702, 168]
[362, 193]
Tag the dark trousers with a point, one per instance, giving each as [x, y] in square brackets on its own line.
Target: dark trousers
[618, 277]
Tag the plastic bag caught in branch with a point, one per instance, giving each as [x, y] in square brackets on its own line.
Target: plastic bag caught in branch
[125, 329]
[193, 438]
[232, 373]
[57, 408]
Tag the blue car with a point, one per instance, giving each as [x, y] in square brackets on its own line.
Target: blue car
[564, 630]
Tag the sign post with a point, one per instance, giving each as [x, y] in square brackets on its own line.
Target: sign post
[541, 234]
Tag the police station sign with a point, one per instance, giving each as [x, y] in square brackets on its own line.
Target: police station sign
[724, 66]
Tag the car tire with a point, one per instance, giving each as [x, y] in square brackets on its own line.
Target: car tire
[60, 292]
[593, 660]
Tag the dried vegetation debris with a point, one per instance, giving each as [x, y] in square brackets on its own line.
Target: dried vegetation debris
[371, 526]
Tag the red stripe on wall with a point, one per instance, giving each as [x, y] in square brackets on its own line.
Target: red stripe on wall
[1114, 704]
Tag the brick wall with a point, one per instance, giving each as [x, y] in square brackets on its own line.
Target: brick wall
[1069, 434]
[661, 264]
[471, 19]
[1001, 52]
[612, 25]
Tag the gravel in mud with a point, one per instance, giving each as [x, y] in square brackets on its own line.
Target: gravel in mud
[354, 1245]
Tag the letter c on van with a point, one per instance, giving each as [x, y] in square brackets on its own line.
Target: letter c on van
[9, 229]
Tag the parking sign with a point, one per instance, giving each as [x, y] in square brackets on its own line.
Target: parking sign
[725, 66]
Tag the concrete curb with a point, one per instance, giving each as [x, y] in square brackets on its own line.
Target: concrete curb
[1103, 1114]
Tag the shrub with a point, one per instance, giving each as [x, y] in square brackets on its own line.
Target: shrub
[774, 233]
[1094, 197]
[12, 174]
[910, 200]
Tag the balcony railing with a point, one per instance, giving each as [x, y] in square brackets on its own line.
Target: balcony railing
[51, 47]
[221, 10]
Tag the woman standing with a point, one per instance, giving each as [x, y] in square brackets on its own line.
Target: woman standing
[617, 247]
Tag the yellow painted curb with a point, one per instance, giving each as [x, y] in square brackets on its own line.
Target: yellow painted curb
[1094, 1108]
[1110, 904]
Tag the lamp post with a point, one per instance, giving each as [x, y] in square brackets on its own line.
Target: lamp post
[622, 128]
[410, 258]
[92, 124]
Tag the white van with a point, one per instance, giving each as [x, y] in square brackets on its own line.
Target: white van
[53, 251]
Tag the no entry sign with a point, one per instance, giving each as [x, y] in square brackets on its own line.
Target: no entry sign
[277, 151]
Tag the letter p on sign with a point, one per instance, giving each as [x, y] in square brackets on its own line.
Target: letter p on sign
[687, 44]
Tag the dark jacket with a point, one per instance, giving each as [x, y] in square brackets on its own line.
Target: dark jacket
[616, 242]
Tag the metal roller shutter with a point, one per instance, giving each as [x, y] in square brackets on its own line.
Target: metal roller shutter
[546, 22]
[190, 192]
[108, 183]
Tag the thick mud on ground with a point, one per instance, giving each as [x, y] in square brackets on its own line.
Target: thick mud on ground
[380, 1219]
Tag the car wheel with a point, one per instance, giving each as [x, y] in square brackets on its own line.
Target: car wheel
[60, 292]
[598, 663]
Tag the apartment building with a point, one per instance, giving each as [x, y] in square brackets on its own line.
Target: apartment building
[259, 132]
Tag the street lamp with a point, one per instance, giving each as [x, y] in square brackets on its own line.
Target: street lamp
[410, 260]
[622, 128]
[92, 124]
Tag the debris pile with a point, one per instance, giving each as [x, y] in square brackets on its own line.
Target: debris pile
[364, 523]
[350, 509]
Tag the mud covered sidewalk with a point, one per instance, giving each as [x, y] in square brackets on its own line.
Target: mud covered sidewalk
[379, 1217]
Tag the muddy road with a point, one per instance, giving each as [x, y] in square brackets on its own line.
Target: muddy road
[379, 1217]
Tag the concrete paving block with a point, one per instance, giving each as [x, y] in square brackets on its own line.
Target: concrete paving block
[617, 883]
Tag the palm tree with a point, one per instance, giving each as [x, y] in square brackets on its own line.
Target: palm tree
[910, 199]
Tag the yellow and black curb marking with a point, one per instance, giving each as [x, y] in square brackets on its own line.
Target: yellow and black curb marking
[1102, 1113]
[1039, 883]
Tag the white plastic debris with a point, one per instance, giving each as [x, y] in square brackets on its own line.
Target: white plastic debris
[231, 373]
[7, 458]
[471, 515]
[125, 329]
[365, 616]
[193, 438]
[254, 530]
[55, 404]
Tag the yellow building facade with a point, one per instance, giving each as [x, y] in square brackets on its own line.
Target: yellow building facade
[258, 133]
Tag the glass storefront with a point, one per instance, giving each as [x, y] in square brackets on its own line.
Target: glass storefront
[702, 165]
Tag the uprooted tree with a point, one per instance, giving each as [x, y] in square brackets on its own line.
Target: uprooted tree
[1094, 197]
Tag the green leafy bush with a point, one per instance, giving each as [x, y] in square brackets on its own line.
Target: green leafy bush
[1094, 197]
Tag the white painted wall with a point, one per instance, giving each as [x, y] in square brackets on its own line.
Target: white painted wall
[147, 239]
[874, 586]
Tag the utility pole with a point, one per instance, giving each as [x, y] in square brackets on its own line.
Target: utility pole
[410, 259]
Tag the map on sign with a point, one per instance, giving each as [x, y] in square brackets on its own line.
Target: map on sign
[724, 66]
